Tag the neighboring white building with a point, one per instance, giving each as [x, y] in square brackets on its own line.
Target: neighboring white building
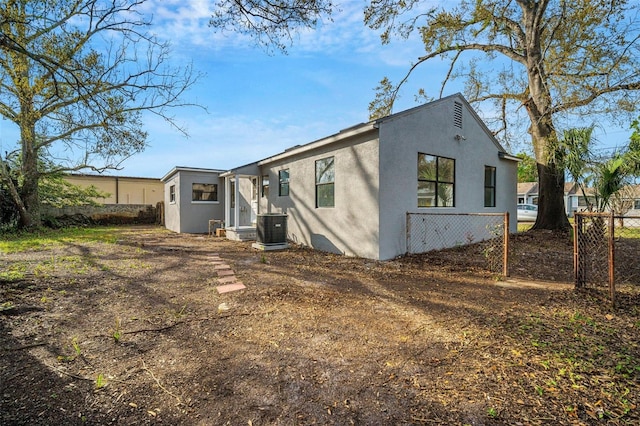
[193, 196]
[350, 192]
[574, 200]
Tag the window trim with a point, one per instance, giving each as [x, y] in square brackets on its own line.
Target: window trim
[172, 194]
[437, 180]
[263, 193]
[331, 184]
[282, 183]
[493, 171]
[216, 201]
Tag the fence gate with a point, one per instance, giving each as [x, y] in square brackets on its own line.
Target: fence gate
[593, 251]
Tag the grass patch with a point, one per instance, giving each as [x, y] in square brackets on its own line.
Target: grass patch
[524, 226]
[13, 272]
[624, 232]
[43, 239]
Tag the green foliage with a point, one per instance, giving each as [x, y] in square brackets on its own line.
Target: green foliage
[13, 272]
[534, 62]
[100, 381]
[58, 192]
[527, 168]
[607, 176]
[117, 331]
[83, 101]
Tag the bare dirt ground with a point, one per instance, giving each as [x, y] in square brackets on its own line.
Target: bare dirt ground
[134, 332]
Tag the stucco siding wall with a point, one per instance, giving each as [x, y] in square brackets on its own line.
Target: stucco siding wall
[186, 215]
[431, 130]
[351, 226]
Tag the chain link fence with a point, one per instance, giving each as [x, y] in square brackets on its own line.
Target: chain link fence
[593, 250]
[606, 251]
[626, 248]
[437, 231]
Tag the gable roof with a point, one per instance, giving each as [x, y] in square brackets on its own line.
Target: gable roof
[188, 169]
[459, 97]
[371, 126]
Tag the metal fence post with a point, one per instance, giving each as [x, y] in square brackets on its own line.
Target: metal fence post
[505, 258]
[576, 226]
[612, 290]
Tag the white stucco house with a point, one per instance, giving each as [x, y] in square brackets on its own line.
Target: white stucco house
[192, 196]
[350, 192]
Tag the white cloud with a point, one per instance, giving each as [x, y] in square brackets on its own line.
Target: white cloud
[221, 141]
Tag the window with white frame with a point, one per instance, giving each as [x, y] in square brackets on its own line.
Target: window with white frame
[436, 181]
[283, 180]
[204, 192]
[172, 194]
[265, 186]
[325, 181]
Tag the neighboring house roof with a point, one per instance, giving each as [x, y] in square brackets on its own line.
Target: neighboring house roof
[89, 175]
[188, 169]
[570, 188]
[362, 128]
[527, 188]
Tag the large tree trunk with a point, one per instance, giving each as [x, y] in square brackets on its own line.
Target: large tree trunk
[30, 197]
[551, 210]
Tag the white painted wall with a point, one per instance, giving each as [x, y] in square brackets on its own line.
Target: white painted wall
[351, 226]
[192, 216]
[430, 130]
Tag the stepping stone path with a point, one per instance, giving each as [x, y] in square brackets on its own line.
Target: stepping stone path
[226, 276]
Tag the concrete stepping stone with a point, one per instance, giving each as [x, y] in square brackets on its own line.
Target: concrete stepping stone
[230, 287]
[225, 272]
[221, 266]
[227, 279]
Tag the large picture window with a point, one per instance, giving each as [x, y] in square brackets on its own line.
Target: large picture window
[489, 186]
[283, 179]
[436, 181]
[325, 181]
[204, 192]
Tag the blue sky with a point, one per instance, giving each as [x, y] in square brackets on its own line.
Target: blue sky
[259, 104]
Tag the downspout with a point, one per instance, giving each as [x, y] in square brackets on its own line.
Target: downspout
[117, 190]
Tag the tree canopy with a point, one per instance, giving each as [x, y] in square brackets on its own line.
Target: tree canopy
[540, 65]
[76, 77]
[549, 60]
[527, 168]
[271, 24]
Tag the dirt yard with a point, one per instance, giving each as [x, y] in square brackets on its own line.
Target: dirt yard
[135, 332]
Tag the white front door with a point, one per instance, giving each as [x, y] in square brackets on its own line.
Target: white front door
[254, 200]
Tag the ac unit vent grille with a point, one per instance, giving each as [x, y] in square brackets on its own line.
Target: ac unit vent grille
[457, 115]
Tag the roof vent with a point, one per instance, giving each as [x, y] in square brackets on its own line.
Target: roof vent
[457, 115]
